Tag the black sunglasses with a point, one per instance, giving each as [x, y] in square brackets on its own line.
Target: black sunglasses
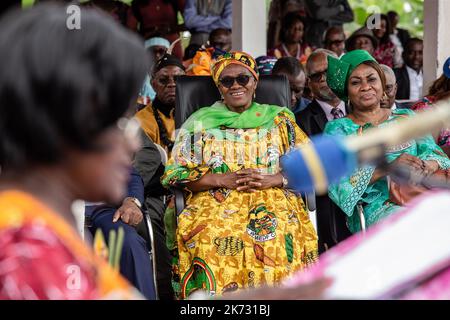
[316, 77]
[335, 42]
[241, 79]
[164, 80]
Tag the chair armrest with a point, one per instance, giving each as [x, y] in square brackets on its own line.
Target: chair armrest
[179, 199]
[311, 201]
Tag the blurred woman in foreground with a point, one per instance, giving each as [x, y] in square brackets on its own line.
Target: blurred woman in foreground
[63, 97]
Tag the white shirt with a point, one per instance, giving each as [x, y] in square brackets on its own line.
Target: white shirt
[328, 107]
[394, 106]
[398, 59]
[415, 84]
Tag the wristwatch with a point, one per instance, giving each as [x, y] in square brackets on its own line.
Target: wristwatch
[135, 201]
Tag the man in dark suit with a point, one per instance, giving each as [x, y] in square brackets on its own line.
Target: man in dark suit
[409, 77]
[325, 107]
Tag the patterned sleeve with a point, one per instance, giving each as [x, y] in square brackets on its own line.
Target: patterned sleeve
[291, 134]
[349, 190]
[427, 149]
[185, 163]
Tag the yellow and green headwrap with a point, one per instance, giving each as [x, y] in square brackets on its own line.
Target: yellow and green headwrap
[234, 57]
[339, 70]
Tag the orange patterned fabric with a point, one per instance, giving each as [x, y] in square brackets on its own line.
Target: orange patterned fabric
[43, 257]
[230, 240]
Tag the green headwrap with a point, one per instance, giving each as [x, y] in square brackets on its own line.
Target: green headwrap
[339, 70]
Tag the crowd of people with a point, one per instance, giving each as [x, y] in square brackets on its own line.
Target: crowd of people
[83, 120]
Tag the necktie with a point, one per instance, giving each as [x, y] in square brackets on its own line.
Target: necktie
[337, 113]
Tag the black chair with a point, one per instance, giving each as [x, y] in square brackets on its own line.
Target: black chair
[194, 92]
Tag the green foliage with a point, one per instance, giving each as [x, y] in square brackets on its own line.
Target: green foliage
[410, 12]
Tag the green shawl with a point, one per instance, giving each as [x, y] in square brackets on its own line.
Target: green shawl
[258, 115]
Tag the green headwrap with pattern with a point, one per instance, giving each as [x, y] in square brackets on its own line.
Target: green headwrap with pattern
[339, 70]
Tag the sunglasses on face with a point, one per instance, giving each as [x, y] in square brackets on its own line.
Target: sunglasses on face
[335, 42]
[241, 79]
[164, 80]
[316, 77]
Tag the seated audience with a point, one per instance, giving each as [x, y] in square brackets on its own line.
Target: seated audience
[399, 37]
[439, 90]
[362, 39]
[241, 227]
[386, 52]
[277, 10]
[410, 76]
[157, 118]
[335, 40]
[293, 70]
[220, 39]
[156, 48]
[325, 106]
[292, 39]
[388, 100]
[218, 44]
[368, 188]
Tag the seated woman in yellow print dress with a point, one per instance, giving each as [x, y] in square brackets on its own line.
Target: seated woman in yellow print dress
[241, 227]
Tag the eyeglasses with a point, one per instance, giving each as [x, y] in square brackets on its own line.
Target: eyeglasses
[316, 77]
[165, 80]
[335, 42]
[241, 79]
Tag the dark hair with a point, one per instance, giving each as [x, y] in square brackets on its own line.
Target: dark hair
[440, 88]
[392, 14]
[389, 30]
[288, 65]
[410, 41]
[219, 31]
[288, 21]
[61, 88]
[331, 30]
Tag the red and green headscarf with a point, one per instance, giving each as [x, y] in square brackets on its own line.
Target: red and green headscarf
[234, 57]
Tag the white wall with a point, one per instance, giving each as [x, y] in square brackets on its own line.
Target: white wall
[249, 26]
[436, 39]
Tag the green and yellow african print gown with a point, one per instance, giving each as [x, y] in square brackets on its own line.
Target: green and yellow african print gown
[228, 240]
[357, 188]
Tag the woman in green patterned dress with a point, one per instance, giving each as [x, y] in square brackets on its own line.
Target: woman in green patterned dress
[358, 78]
